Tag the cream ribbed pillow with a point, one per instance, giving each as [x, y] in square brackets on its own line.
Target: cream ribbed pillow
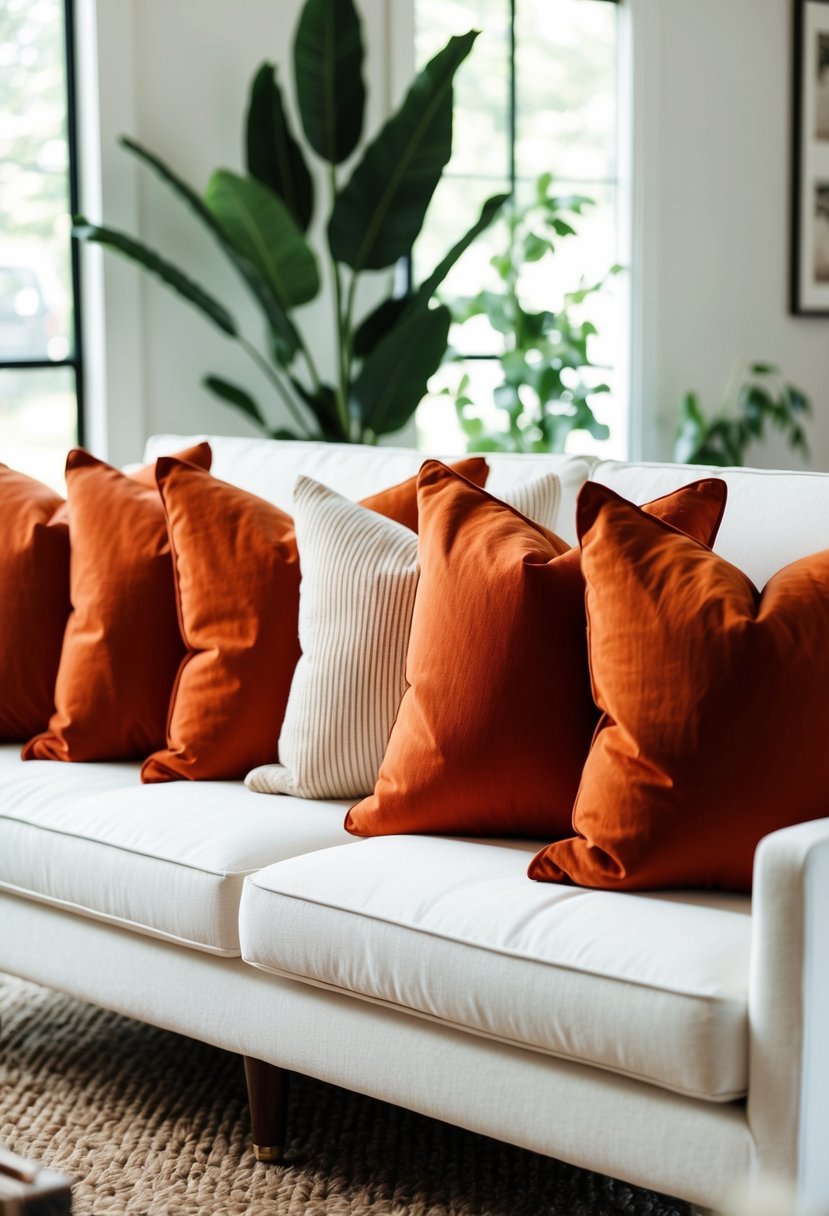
[359, 578]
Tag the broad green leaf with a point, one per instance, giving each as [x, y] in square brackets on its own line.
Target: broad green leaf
[377, 324]
[473, 427]
[465, 307]
[430, 285]
[262, 230]
[599, 430]
[237, 397]
[755, 405]
[534, 325]
[548, 384]
[392, 380]
[389, 313]
[169, 274]
[380, 211]
[535, 247]
[274, 157]
[799, 403]
[498, 310]
[506, 398]
[515, 368]
[285, 338]
[553, 432]
[798, 440]
[692, 410]
[328, 67]
[690, 432]
[542, 185]
[323, 405]
[567, 202]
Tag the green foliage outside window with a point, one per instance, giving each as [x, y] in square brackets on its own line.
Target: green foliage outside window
[547, 389]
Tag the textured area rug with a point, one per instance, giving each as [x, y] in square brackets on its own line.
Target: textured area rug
[149, 1122]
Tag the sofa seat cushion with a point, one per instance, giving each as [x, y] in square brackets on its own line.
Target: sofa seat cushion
[166, 860]
[270, 467]
[653, 987]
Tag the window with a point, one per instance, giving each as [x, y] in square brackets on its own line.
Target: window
[538, 93]
[40, 370]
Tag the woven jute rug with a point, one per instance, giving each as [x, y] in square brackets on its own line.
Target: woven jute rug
[149, 1122]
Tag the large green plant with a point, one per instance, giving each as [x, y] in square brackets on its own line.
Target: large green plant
[261, 222]
[544, 391]
[763, 399]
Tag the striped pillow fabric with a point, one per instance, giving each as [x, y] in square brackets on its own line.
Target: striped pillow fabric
[359, 578]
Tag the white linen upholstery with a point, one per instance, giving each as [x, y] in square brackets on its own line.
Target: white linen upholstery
[771, 518]
[677, 953]
[270, 467]
[582, 1115]
[788, 1105]
[168, 860]
[652, 987]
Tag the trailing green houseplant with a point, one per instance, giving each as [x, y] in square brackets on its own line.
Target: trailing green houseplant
[261, 222]
[544, 391]
[763, 399]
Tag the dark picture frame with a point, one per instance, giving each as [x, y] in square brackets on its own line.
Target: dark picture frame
[810, 160]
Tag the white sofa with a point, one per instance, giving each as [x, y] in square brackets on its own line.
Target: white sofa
[678, 1040]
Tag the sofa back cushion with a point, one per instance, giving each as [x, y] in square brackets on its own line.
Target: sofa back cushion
[270, 467]
[773, 517]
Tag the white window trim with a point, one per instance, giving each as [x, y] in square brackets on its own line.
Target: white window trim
[640, 27]
[112, 292]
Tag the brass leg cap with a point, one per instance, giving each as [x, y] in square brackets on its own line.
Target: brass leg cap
[267, 1152]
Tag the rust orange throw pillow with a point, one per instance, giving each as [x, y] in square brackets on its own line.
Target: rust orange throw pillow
[122, 646]
[237, 581]
[493, 731]
[716, 714]
[34, 602]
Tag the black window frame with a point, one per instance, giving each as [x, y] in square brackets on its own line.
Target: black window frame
[74, 359]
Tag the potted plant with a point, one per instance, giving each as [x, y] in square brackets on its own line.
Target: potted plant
[762, 399]
[261, 219]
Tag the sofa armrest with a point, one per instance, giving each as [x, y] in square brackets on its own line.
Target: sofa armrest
[788, 1098]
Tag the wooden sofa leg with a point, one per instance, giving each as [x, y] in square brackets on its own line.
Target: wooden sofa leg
[268, 1099]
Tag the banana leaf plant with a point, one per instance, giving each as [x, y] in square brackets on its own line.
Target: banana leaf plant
[261, 221]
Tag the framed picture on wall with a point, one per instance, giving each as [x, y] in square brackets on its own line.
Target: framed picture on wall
[810, 178]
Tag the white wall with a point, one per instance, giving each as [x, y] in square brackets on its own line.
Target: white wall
[714, 190]
[711, 152]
